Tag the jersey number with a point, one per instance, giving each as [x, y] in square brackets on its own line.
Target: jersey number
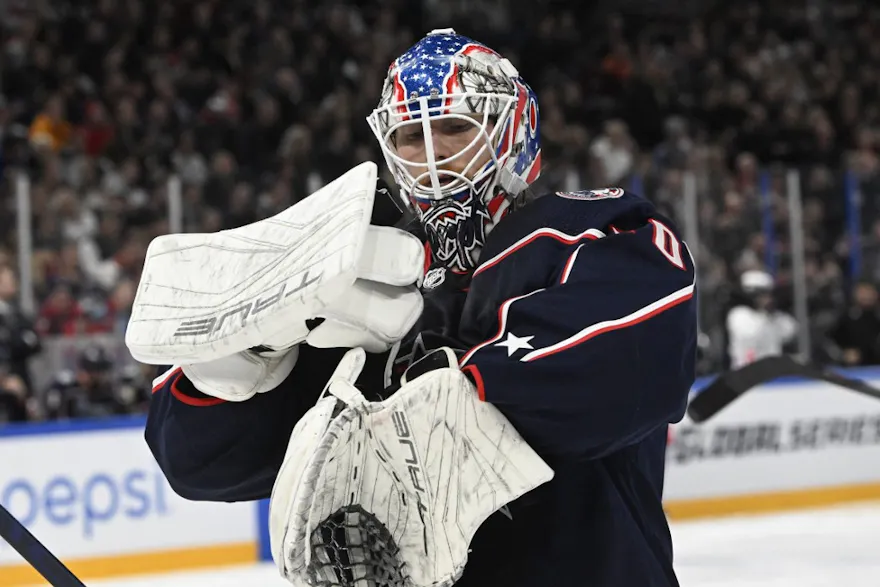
[668, 244]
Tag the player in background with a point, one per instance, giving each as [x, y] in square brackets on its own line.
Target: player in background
[574, 313]
[755, 328]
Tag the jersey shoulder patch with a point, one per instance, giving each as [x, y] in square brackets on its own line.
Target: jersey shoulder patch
[590, 195]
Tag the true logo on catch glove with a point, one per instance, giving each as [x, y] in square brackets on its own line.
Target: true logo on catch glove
[360, 500]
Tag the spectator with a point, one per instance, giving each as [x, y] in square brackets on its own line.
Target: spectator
[13, 399]
[18, 340]
[242, 206]
[97, 255]
[188, 162]
[675, 150]
[60, 313]
[613, 153]
[218, 188]
[857, 332]
[97, 130]
[50, 131]
[121, 301]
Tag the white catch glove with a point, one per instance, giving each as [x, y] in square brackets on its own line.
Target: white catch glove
[392, 492]
[238, 377]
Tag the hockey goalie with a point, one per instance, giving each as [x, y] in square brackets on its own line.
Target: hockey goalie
[478, 395]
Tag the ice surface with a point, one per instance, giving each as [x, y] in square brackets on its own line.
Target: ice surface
[830, 548]
[827, 548]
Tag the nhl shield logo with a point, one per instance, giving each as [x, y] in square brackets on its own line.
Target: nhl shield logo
[434, 277]
[603, 194]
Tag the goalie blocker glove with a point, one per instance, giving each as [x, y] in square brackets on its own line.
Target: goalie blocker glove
[203, 297]
[276, 284]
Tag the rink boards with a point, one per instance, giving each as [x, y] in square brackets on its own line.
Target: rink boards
[93, 494]
[787, 445]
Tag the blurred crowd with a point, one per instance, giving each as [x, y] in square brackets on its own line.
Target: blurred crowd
[254, 105]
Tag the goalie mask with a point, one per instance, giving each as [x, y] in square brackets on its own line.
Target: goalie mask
[458, 127]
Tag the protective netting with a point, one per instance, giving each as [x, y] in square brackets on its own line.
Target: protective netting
[352, 548]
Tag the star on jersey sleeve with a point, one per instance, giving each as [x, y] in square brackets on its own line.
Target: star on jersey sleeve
[603, 355]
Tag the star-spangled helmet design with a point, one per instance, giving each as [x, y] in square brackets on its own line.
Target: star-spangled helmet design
[449, 76]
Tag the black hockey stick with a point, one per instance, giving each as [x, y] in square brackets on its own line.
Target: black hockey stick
[33, 551]
[727, 387]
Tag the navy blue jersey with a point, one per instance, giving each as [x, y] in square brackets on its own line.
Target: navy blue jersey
[579, 325]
